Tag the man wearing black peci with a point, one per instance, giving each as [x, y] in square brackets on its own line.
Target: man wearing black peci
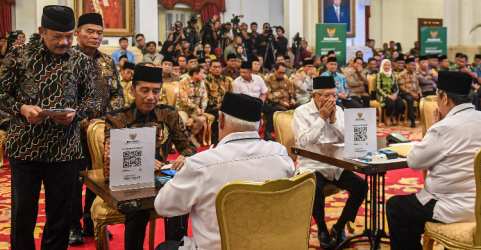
[45, 74]
[144, 112]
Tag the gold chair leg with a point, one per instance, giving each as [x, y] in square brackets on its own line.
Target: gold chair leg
[379, 110]
[205, 131]
[152, 234]
[349, 227]
[428, 242]
[210, 132]
[101, 235]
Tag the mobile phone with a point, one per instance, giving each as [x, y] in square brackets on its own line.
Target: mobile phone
[170, 172]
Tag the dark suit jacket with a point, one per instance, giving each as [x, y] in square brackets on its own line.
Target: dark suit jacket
[331, 17]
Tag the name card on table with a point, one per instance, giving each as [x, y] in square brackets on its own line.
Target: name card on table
[360, 136]
[132, 158]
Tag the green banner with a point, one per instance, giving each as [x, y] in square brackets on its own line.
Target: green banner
[434, 40]
[331, 36]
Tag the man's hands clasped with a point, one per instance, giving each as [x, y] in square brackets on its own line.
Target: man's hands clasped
[328, 110]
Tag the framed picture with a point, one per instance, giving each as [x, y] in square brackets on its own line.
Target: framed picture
[118, 15]
[339, 11]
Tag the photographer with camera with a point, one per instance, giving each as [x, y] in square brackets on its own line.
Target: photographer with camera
[225, 36]
[299, 49]
[13, 39]
[208, 34]
[265, 46]
[192, 30]
[281, 41]
[177, 33]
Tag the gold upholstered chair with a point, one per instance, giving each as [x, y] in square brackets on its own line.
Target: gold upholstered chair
[427, 106]
[462, 235]
[371, 82]
[3, 138]
[275, 214]
[285, 136]
[102, 213]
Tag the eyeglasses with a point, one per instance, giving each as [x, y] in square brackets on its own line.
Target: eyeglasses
[281, 72]
[327, 96]
[139, 40]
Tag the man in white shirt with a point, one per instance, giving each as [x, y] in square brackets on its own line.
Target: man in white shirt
[240, 156]
[255, 86]
[315, 123]
[447, 151]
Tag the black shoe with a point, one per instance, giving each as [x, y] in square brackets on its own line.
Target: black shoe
[326, 241]
[339, 237]
[75, 237]
[413, 124]
[172, 151]
[268, 137]
[88, 232]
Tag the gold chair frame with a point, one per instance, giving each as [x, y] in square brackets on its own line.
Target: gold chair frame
[100, 231]
[430, 236]
[273, 187]
[3, 138]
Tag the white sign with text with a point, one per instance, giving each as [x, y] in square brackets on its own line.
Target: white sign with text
[132, 158]
[360, 136]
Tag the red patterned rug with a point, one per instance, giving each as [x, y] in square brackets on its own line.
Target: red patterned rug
[398, 182]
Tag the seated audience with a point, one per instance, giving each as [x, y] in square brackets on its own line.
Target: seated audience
[372, 68]
[191, 62]
[416, 49]
[126, 74]
[400, 63]
[142, 46]
[144, 112]
[192, 100]
[357, 83]
[122, 60]
[167, 75]
[264, 70]
[203, 63]
[256, 67]
[124, 43]
[239, 61]
[231, 49]
[303, 53]
[317, 122]
[207, 52]
[443, 63]
[409, 88]
[182, 60]
[168, 50]
[387, 94]
[217, 86]
[238, 157]
[218, 54]
[254, 86]
[427, 81]
[280, 92]
[175, 68]
[433, 64]
[463, 67]
[281, 59]
[231, 69]
[447, 153]
[342, 89]
[239, 51]
[303, 82]
[151, 55]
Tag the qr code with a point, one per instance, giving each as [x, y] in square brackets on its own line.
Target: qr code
[360, 133]
[132, 159]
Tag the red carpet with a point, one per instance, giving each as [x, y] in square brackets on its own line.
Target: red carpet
[403, 181]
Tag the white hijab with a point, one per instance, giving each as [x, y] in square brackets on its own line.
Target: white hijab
[381, 69]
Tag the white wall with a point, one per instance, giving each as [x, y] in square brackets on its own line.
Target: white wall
[398, 20]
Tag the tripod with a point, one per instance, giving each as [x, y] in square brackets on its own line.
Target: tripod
[270, 45]
[298, 60]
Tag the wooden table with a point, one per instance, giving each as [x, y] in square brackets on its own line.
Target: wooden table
[374, 214]
[125, 200]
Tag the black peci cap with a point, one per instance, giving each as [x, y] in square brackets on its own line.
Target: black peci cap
[90, 18]
[147, 74]
[58, 18]
[246, 65]
[331, 59]
[242, 106]
[129, 65]
[455, 82]
[324, 82]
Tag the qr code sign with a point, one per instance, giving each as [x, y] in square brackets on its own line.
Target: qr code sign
[360, 133]
[132, 159]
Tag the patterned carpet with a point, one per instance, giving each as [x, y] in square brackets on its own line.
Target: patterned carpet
[398, 182]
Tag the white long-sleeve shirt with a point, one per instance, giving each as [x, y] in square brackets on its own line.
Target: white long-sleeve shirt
[241, 156]
[447, 151]
[311, 132]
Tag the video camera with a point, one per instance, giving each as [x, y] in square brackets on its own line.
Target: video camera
[223, 29]
[13, 36]
[34, 37]
[192, 20]
[208, 24]
[176, 28]
[236, 20]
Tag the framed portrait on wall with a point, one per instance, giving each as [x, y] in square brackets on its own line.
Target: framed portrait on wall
[339, 11]
[118, 15]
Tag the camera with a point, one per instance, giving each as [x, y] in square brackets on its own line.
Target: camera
[34, 37]
[297, 38]
[208, 24]
[13, 35]
[192, 20]
[224, 29]
[236, 20]
[176, 27]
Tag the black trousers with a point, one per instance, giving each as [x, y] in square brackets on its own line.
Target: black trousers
[397, 107]
[136, 223]
[58, 179]
[406, 217]
[169, 245]
[432, 92]
[350, 104]
[269, 111]
[349, 181]
[475, 101]
[279, 107]
[365, 101]
[410, 101]
[76, 206]
[215, 124]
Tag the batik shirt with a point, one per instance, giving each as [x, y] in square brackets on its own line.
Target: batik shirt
[217, 86]
[341, 84]
[30, 75]
[192, 96]
[166, 120]
[108, 92]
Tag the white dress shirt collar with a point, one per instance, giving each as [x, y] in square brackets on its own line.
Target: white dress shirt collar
[237, 136]
[460, 108]
[313, 107]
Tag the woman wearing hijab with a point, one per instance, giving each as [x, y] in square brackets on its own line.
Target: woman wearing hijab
[387, 94]
[168, 50]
